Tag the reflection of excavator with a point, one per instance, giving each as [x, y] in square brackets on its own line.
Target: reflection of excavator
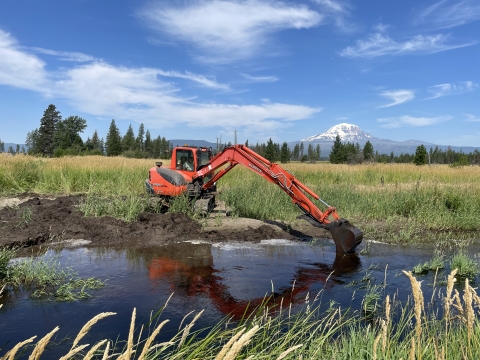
[198, 276]
[193, 170]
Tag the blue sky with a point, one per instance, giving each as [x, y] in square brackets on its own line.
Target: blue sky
[282, 69]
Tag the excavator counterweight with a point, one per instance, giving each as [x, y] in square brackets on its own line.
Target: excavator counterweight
[195, 171]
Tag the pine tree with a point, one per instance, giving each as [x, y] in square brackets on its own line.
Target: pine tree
[32, 141]
[318, 152]
[420, 155]
[139, 141]
[336, 154]
[310, 153]
[17, 150]
[285, 153]
[296, 151]
[270, 151]
[46, 132]
[2, 146]
[148, 144]
[246, 143]
[95, 141]
[114, 140]
[128, 141]
[368, 151]
[301, 150]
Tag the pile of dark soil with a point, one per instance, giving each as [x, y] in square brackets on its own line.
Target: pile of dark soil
[39, 220]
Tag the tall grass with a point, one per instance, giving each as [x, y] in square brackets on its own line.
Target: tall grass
[410, 202]
[409, 331]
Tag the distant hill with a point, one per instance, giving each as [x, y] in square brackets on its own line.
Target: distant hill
[14, 146]
[353, 133]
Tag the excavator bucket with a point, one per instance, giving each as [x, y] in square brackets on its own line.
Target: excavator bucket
[346, 236]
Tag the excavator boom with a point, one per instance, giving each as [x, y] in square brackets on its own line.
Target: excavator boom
[346, 236]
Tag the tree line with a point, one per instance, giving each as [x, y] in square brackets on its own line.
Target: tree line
[58, 137]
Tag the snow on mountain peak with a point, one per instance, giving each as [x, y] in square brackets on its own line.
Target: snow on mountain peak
[347, 132]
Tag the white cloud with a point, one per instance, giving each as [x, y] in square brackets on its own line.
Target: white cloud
[227, 31]
[451, 89]
[398, 96]
[65, 55]
[399, 121]
[139, 94]
[447, 14]
[339, 12]
[200, 79]
[472, 118]
[18, 68]
[260, 78]
[380, 45]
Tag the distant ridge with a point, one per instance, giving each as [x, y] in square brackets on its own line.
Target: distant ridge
[202, 143]
[353, 133]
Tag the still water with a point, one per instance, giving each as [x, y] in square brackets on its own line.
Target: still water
[222, 278]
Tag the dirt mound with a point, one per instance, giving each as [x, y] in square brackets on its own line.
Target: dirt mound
[38, 220]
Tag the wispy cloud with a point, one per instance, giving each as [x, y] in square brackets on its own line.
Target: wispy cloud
[472, 118]
[398, 96]
[339, 12]
[200, 79]
[260, 78]
[139, 94]
[379, 44]
[451, 89]
[227, 31]
[17, 68]
[400, 121]
[447, 14]
[65, 55]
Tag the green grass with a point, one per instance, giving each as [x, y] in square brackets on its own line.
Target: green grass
[467, 267]
[43, 278]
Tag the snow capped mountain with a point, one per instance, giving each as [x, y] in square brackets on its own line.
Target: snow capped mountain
[347, 132]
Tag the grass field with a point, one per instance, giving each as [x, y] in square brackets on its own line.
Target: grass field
[391, 202]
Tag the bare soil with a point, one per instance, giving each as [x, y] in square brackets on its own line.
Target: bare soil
[31, 219]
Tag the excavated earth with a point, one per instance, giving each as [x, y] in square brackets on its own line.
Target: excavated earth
[31, 219]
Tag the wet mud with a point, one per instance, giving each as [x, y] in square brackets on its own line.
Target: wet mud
[38, 220]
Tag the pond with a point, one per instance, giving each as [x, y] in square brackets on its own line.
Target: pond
[224, 279]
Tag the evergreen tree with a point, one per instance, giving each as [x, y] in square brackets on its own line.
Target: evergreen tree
[17, 150]
[2, 146]
[148, 144]
[310, 152]
[318, 152]
[368, 151]
[128, 141]
[301, 149]
[10, 150]
[46, 132]
[296, 151]
[114, 140]
[246, 143]
[270, 151]
[140, 144]
[95, 141]
[285, 153]
[336, 155]
[420, 155]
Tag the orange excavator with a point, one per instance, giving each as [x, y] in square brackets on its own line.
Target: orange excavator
[195, 171]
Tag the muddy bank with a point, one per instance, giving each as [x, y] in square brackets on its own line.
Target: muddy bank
[31, 221]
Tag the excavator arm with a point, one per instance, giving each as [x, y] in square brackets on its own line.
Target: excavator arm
[346, 236]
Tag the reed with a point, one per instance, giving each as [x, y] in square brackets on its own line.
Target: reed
[334, 334]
